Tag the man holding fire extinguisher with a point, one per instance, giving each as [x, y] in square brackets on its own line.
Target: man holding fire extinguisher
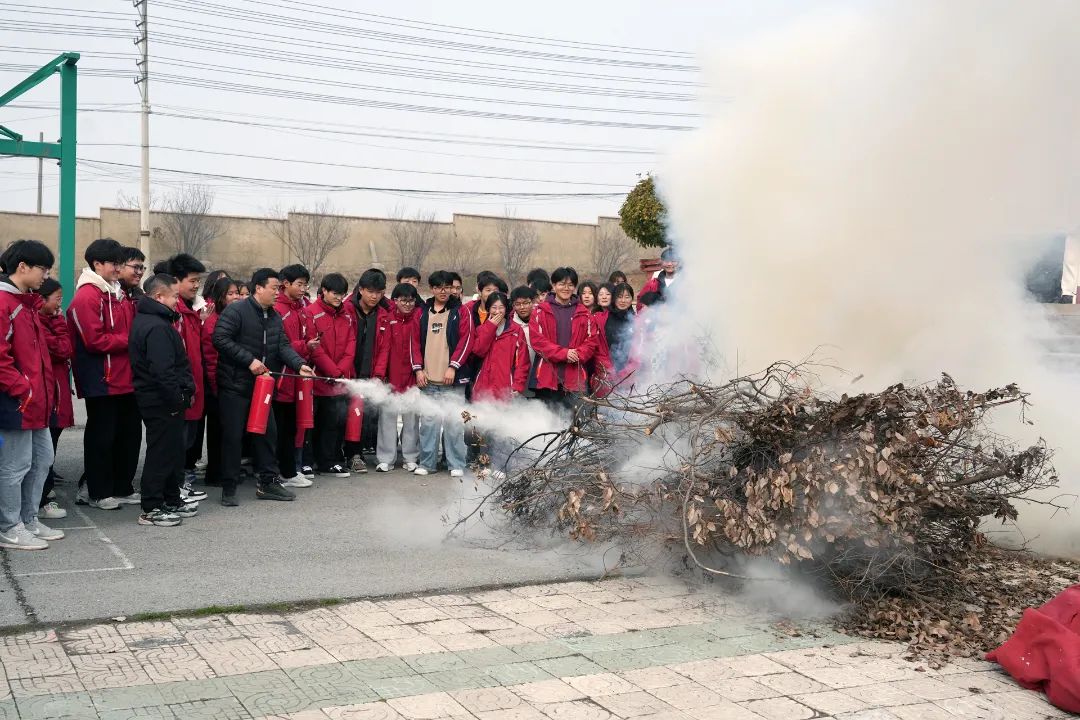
[251, 341]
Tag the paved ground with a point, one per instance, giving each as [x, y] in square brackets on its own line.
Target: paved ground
[614, 650]
[376, 534]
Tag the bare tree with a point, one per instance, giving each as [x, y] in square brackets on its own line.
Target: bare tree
[124, 201]
[458, 253]
[413, 238]
[611, 250]
[517, 242]
[311, 235]
[186, 219]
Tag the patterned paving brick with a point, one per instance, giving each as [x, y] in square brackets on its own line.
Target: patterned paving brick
[517, 673]
[220, 709]
[575, 710]
[35, 660]
[467, 677]
[144, 713]
[40, 707]
[109, 670]
[487, 699]
[363, 711]
[172, 663]
[127, 698]
[234, 657]
[93, 639]
[46, 685]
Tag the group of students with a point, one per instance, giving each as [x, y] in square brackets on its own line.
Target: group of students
[183, 363]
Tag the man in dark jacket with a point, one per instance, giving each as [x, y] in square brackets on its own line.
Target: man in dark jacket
[164, 390]
[367, 299]
[250, 340]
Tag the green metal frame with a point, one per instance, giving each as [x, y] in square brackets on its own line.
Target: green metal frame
[12, 143]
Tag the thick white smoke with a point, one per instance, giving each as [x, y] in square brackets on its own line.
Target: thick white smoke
[865, 191]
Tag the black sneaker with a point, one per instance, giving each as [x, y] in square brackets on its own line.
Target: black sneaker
[336, 471]
[160, 517]
[308, 472]
[187, 510]
[229, 499]
[273, 491]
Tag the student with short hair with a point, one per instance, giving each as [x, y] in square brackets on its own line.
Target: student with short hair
[617, 278]
[58, 339]
[409, 275]
[130, 276]
[444, 349]
[289, 304]
[99, 319]
[165, 390]
[604, 297]
[224, 292]
[522, 301]
[251, 341]
[188, 273]
[334, 327]
[540, 280]
[366, 302]
[563, 334]
[487, 283]
[27, 396]
[399, 330]
[457, 284]
[587, 295]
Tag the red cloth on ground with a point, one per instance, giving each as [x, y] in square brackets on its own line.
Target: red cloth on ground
[1044, 651]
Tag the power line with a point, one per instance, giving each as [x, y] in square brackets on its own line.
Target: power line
[292, 184]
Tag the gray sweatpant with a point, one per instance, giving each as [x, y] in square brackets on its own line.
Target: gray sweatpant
[386, 449]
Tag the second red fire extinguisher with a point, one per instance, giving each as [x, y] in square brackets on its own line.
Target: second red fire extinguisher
[261, 398]
[354, 422]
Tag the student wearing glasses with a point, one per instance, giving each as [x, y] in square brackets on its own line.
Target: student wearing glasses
[398, 333]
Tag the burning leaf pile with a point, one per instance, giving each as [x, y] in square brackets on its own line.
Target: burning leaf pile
[879, 497]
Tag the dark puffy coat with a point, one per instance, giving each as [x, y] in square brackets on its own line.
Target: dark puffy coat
[246, 331]
[160, 369]
[27, 390]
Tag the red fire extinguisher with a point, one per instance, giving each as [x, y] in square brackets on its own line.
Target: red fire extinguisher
[354, 422]
[305, 409]
[259, 412]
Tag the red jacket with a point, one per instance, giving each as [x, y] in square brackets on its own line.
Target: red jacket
[60, 351]
[27, 390]
[190, 328]
[99, 323]
[298, 330]
[394, 342]
[210, 353]
[333, 356]
[505, 367]
[551, 357]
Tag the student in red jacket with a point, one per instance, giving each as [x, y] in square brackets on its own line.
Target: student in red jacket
[616, 333]
[188, 272]
[63, 414]
[27, 397]
[398, 331]
[293, 311]
[225, 291]
[501, 345]
[334, 326]
[99, 319]
[563, 335]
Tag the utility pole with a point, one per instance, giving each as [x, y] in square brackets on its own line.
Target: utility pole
[40, 165]
[143, 81]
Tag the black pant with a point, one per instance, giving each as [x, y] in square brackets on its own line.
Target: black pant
[213, 441]
[50, 479]
[285, 418]
[163, 468]
[234, 412]
[559, 400]
[111, 445]
[196, 429]
[369, 432]
[329, 430]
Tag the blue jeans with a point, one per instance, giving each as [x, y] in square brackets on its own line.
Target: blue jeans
[453, 431]
[24, 465]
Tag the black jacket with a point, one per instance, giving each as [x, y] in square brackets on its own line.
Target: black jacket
[160, 369]
[366, 329]
[247, 331]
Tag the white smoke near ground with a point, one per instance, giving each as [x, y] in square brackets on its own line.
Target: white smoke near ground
[866, 194]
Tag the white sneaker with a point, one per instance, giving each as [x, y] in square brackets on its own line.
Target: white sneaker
[104, 504]
[382, 467]
[45, 532]
[409, 467]
[457, 473]
[132, 499]
[298, 482]
[19, 538]
[420, 471]
[52, 511]
[82, 497]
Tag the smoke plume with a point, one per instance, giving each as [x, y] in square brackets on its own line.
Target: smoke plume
[869, 193]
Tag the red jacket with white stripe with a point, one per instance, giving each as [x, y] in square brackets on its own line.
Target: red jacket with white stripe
[27, 390]
[333, 356]
[297, 330]
[210, 353]
[396, 337]
[100, 322]
[58, 339]
[551, 359]
[190, 328]
[505, 361]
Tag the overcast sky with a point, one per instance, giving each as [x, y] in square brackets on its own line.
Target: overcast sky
[584, 93]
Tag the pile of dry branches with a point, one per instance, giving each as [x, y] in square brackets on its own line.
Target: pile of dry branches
[878, 495]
